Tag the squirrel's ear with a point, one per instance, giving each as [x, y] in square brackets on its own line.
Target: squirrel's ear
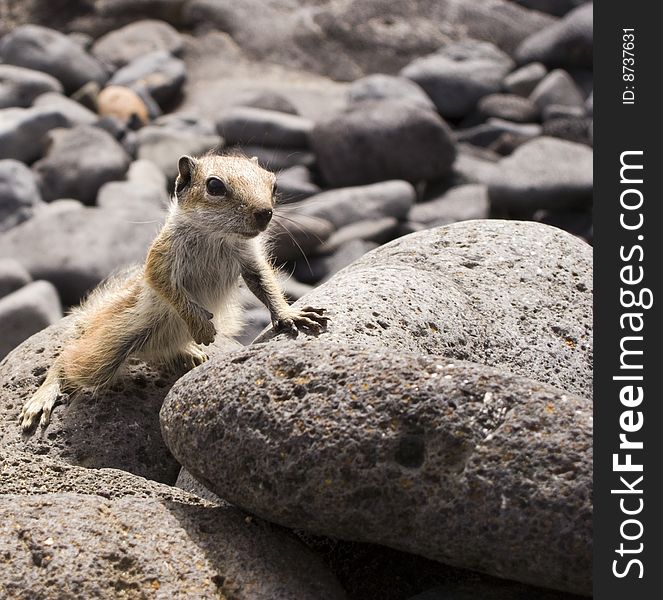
[185, 167]
[254, 159]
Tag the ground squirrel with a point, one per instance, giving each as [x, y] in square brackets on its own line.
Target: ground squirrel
[171, 307]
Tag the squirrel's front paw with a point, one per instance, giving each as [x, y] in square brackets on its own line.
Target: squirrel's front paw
[204, 333]
[308, 318]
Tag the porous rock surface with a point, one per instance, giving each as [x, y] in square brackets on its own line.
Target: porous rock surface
[455, 461]
[76, 532]
[410, 422]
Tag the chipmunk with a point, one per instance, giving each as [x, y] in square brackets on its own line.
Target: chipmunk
[173, 305]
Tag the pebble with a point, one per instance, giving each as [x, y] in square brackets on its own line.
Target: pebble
[26, 311]
[120, 47]
[389, 87]
[566, 43]
[19, 194]
[23, 131]
[124, 104]
[344, 206]
[243, 125]
[19, 86]
[160, 73]
[557, 88]
[13, 276]
[78, 162]
[523, 80]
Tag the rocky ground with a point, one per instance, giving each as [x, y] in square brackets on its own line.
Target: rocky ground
[435, 441]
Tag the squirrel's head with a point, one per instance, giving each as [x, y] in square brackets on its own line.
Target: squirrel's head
[225, 194]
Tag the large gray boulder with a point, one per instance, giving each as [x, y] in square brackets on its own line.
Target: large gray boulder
[384, 139]
[47, 50]
[117, 428]
[100, 532]
[455, 461]
[424, 417]
[510, 294]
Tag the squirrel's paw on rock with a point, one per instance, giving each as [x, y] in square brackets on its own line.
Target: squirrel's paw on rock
[308, 318]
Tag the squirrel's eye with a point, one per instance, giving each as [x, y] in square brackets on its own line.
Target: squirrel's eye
[216, 187]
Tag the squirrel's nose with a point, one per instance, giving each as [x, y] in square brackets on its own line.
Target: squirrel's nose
[262, 217]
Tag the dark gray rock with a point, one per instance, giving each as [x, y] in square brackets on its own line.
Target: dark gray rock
[160, 73]
[116, 428]
[164, 145]
[277, 159]
[76, 248]
[120, 12]
[522, 81]
[514, 295]
[509, 107]
[379, 140]
[572, 129]
[23, 131]
[143, 195]
[19, 193]
[295, 184]
[78, 162]
[567, 43]
[13, 276]
[460, 203]
[256, 319]
[459, 75]
[27, 311]
[348, 205]
[388, 87]
[451, 460]
[474, 167]
[122, 46]
[556, 111]
[245, 125]
[47, 50]
[543, 173]
[346, 254]
[491, 590]
[295, 236]
[19, 86]
[267, 100]
[188, 122]
[379, 231]
[557, 88]
[492, 133]
[74, 112]
[554, 7]
[104, 530]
